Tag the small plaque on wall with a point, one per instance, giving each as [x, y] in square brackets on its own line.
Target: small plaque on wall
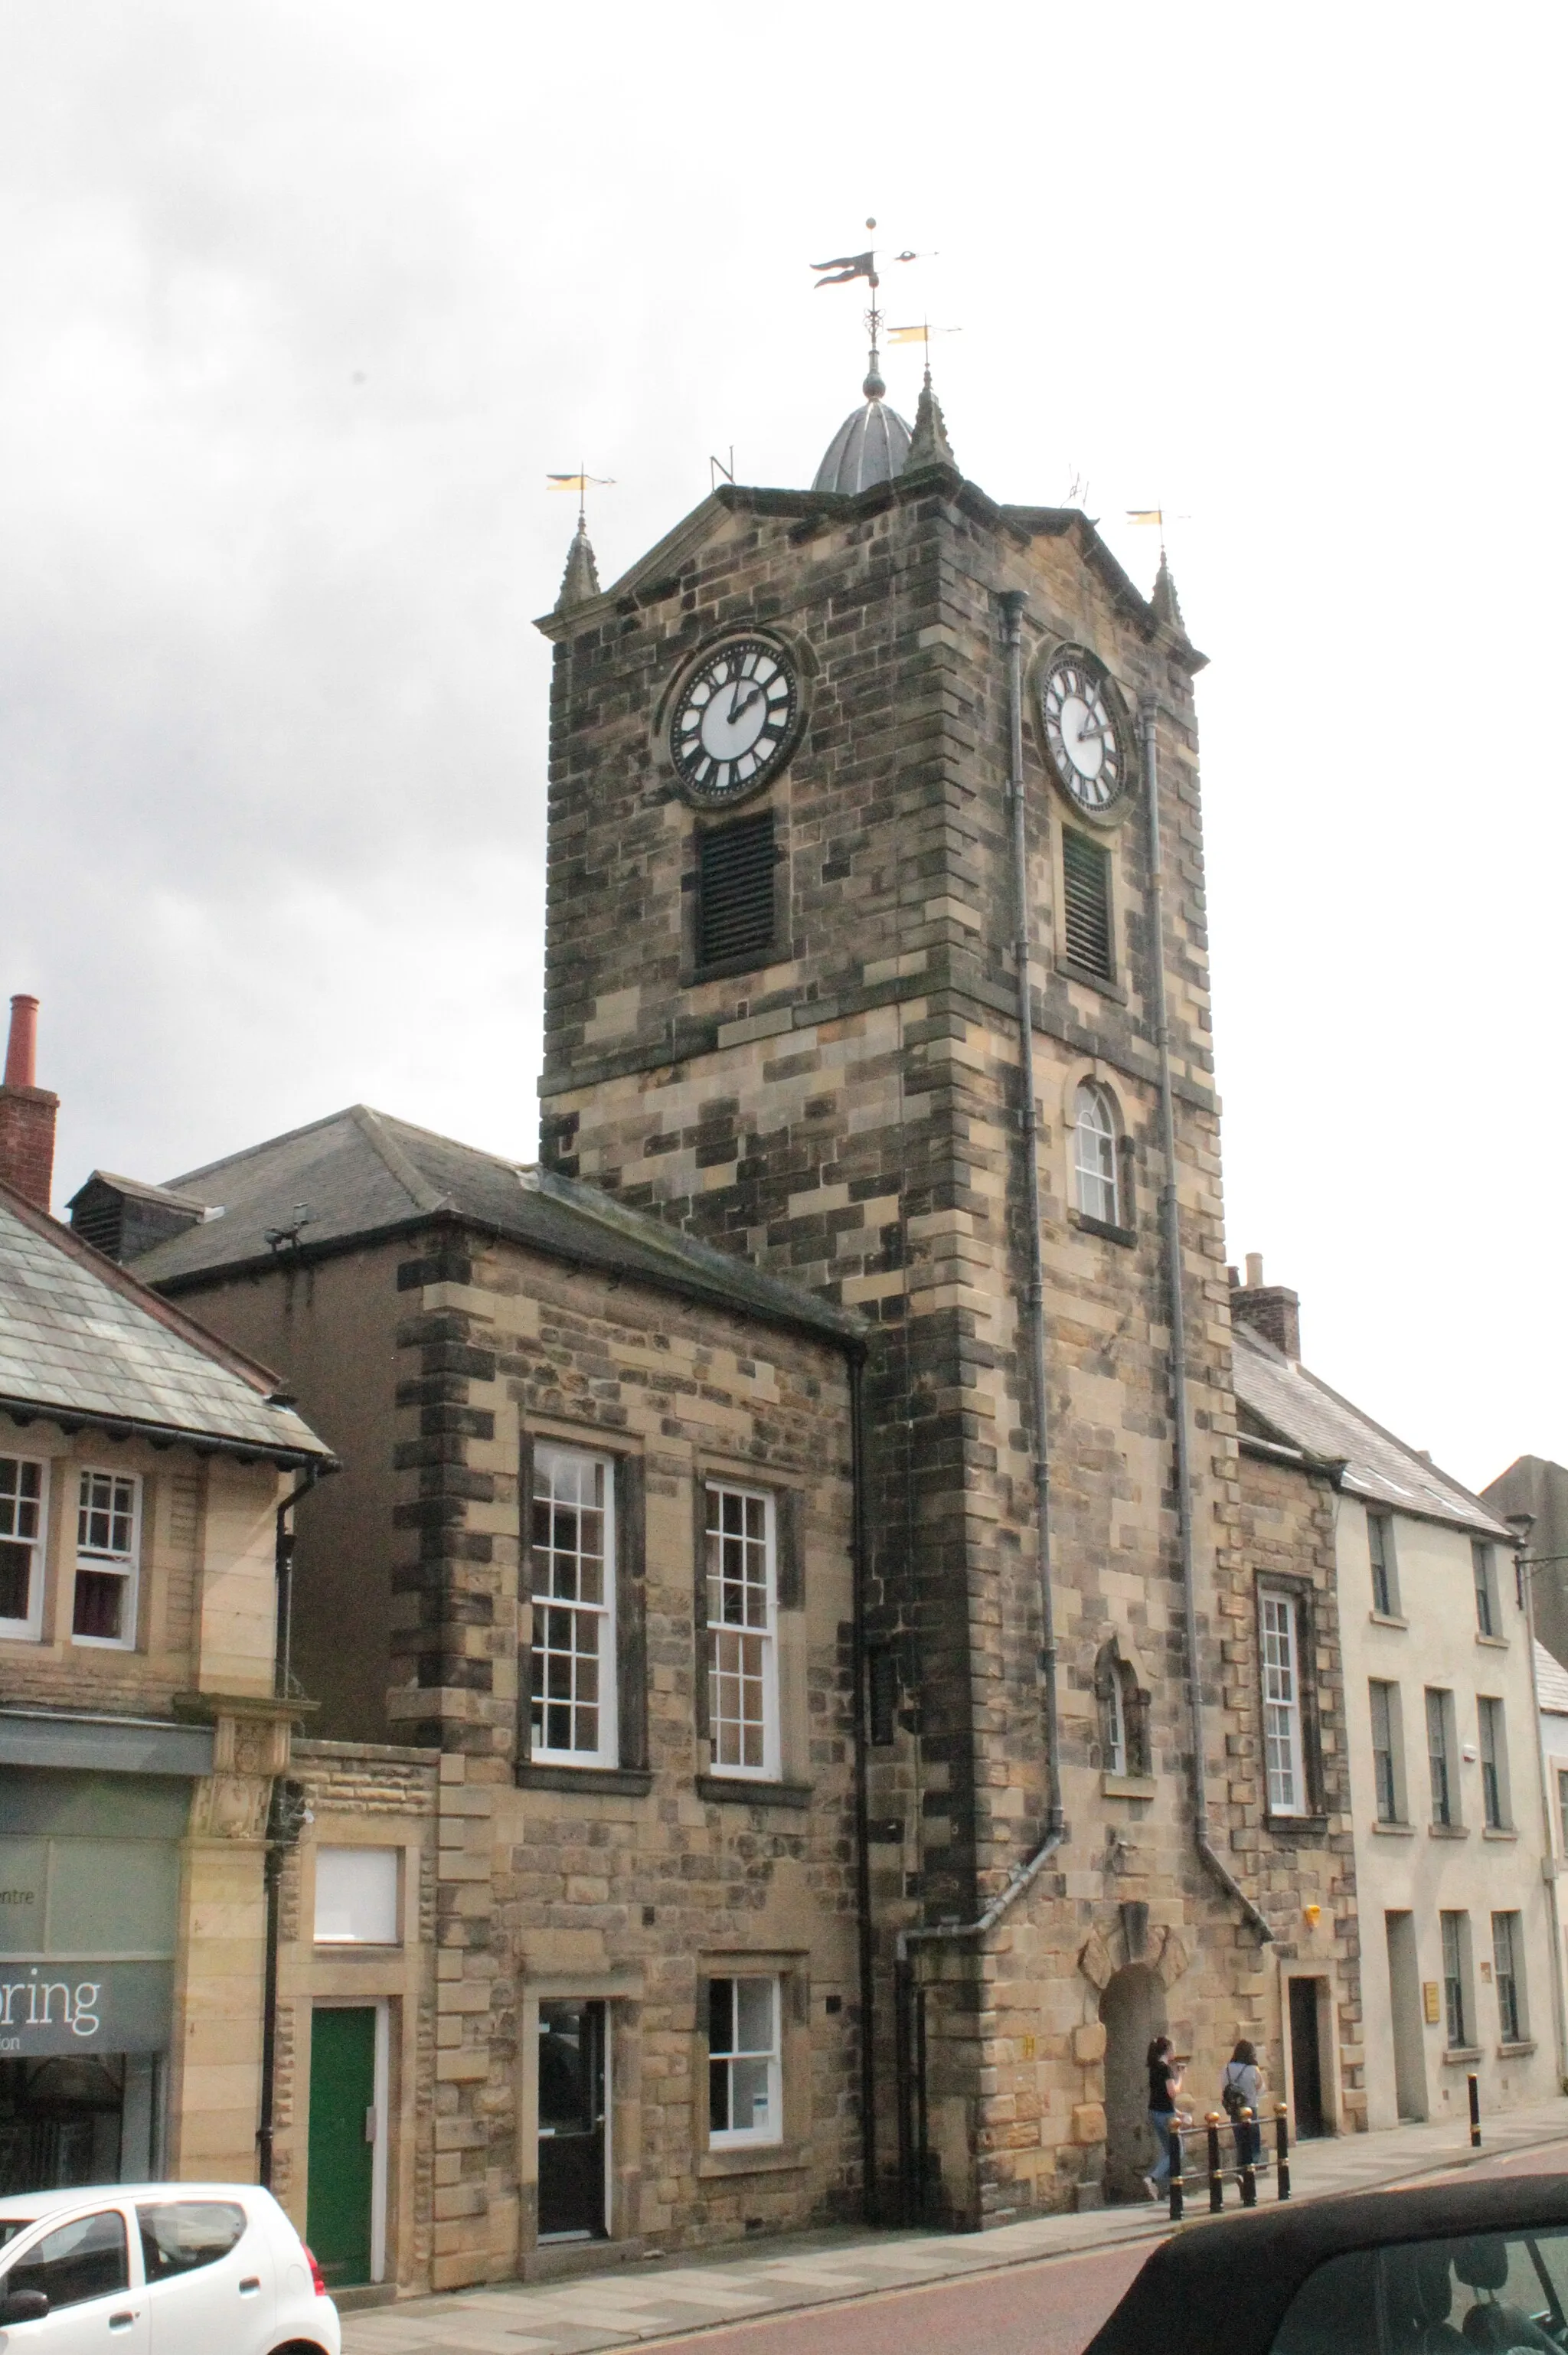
[1430, 1993]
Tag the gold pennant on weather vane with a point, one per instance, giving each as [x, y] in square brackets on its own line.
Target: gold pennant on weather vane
[579, 483]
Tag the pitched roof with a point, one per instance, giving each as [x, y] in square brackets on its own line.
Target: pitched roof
[81, 1341]
[359, 1174]
[1550, 1681]
[1294, 1407]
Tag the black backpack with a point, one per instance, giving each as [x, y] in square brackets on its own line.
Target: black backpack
[1232, 2097]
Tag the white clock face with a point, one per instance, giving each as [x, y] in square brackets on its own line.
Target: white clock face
[1081, 734]
[734, 720]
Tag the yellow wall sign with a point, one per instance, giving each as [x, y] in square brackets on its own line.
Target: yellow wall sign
[1429, 2002]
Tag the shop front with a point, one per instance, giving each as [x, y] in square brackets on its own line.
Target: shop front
[90, 1897]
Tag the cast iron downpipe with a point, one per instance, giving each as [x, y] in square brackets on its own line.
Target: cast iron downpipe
[912, 2038]
[861, 1571]
[282, 1826]
[1170, 1222]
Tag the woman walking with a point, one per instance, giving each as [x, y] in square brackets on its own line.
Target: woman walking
[1164, 2084]
[1243, 2090]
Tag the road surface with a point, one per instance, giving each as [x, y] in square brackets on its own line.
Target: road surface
[1051, 2306]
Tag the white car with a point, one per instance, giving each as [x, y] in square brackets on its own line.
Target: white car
[159, 2269]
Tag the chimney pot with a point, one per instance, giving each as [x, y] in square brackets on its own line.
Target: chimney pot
[22, 1047]
[1255, 1269]
[26, 1112]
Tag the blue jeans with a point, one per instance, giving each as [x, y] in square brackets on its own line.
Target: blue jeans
[1161, 2121]
[1249, 2141]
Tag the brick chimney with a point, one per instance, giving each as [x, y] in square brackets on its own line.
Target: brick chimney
[27, 1111]
[1270, 1309]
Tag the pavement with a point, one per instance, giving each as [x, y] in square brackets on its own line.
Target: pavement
[669, 2297]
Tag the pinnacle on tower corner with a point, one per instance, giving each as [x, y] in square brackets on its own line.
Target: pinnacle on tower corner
[580, 580]
[928, 444]
[1163, 598]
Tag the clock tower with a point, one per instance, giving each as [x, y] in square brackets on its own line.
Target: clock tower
[876, 954]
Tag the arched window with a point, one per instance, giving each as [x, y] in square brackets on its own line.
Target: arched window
[1094, 1156]
[1124, 1713]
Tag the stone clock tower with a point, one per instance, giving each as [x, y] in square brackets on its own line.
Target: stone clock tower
[814, 758]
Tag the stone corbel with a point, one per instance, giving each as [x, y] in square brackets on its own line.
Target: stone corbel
[253, 1734]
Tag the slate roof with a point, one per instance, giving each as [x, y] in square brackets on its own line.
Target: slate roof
[359, 1174]
[1550, 1681]
[81, 1341]
[1297, 1409]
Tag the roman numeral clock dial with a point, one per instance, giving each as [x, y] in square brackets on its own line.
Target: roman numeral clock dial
[1081, 734]
[734, 720]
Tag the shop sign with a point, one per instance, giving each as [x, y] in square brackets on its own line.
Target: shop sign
[83, 2006]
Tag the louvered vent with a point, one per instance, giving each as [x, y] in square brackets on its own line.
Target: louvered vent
[1087, 881]
[100, 1221]
[735, 890]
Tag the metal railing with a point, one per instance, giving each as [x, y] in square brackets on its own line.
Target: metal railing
[1245, 2155]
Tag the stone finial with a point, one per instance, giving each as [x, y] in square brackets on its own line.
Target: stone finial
[929, 446]
[1165, 608]
[580, 580]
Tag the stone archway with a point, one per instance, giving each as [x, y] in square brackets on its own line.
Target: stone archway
[1132, 2010]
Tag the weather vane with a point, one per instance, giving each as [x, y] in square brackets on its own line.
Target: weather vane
[842, 270]
[579, 483]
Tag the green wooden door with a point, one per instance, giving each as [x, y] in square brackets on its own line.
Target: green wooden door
[342, 2151]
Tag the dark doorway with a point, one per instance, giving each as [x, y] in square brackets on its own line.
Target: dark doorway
[571, 2120]
[1305, 2059]
[1132, 2010]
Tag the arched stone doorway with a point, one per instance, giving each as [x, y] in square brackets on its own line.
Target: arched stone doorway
[1132, 2010]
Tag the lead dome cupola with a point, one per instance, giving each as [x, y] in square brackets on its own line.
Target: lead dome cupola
[870, 447]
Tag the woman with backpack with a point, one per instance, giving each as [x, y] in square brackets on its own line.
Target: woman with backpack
[1243, 2090]
[1164, 2084]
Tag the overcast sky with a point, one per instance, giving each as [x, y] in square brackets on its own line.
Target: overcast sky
[301, 300]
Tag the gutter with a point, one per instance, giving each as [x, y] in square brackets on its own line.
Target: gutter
[71, 1419]
[1170, 1221]
[909, 2019]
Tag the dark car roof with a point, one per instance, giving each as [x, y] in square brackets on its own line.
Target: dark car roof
[1227, 2285]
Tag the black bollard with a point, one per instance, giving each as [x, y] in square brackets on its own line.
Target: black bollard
[1216, 2175]
[1282, 2149]
[1475, 2085]
[1177, 2186]
[1247, 2172]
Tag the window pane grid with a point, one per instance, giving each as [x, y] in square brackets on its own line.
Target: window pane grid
[1491, 1775]
[573, 1584]
[1378, 1543]
[1486, 1610]
[1095, 1157]
[21, 1512]
[1507, 1975]
[1438, 1758]
[1454, 1982]
[740, 1605]
[103, 1606]
[1382, 1755]
[743, 2061]
[1282, 1704]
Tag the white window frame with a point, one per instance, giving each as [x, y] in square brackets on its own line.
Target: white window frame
[607, 1752]
[125, 1566]
[1096, 1171]
[763, 1634]
[29, 1628]
[1116, 1723]
[750, 2138]
[1279, 1649]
